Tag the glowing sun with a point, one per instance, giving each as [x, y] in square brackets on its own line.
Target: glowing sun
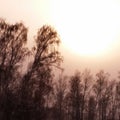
[86, 27]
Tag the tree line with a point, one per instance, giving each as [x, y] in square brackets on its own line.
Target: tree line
[36, 95]
[88, 98]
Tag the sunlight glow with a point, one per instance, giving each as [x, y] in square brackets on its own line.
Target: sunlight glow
[87, 27]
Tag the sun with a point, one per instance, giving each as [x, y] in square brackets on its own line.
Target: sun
[84, 27]
[86, 44]
[87, 47]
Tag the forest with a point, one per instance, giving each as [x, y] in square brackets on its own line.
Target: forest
[29, 89]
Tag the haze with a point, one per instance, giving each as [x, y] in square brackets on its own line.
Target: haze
[88, 23]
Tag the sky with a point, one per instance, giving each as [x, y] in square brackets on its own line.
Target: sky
[89, 29]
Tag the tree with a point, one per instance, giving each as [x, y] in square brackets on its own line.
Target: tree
[91, 108]
[86, 83]
[115, 103]
[75, 96]
[23, 96]
[12, 52]
[102, 97]
[60, 94]
[117, 97]
[36, 82]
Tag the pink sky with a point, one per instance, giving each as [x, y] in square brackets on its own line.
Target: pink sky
[35, 13]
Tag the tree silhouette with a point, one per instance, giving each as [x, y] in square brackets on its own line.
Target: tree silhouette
[12, 52]
[60, 94]
[29, 90]
[36, 82]
[115, 103]
[75, 96]
[102, 95]
[91, 108]
[86, 83]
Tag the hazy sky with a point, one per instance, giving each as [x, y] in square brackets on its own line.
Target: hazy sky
[89, 29]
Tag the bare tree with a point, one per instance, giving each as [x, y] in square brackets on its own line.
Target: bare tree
[101, 94]
[12, 52]
[36, 82]
[114, 113]
[75, 96]
[26, 99]
[60, 94]
[86, 84]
